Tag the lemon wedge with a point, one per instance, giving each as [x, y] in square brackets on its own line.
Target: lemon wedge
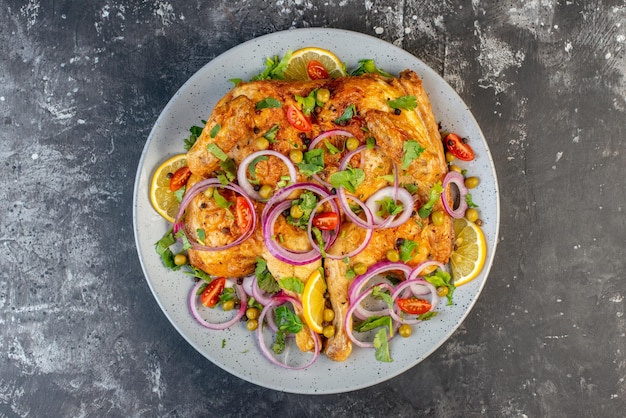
[162, 198]
[470, 251]
[313, 301]
[298, 64]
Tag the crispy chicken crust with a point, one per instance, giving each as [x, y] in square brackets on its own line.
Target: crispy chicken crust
[237, 122]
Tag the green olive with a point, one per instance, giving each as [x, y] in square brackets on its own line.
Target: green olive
[450, 157]
[352, 143]
[437, 217]
[329, 331]
[405, 330]
[472, 182]
[323, 95]
[471, 214]
[393, 255]
[228, 305]
[359, 268]
[252, 324]
[442, 291]
[296, 156]
[329, 315]
[296, 212]
[180, 259]
[252, 313]
[261, 143]
[266, 191]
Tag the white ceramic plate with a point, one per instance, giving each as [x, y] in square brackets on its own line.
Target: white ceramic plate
[235, 350]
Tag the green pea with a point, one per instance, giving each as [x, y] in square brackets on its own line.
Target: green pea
[352, 143]
[437, 217]
[472, 182]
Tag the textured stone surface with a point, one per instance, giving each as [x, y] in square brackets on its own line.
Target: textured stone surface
[81, 84]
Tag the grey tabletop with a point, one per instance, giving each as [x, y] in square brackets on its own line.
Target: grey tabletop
[81, 85]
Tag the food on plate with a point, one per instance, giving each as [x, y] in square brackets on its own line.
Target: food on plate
[325, 202]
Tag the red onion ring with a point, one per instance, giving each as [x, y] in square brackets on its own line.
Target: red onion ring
[243, 304]
[267, 352]
[458, 180]
[366, 240]
[296, 258]
[380, 267]
[283, 194]
[320, 138]
[242, 178]
[347, 321]
[394, 193]
[193, 192]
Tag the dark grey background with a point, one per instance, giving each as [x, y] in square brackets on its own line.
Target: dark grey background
[81, 84]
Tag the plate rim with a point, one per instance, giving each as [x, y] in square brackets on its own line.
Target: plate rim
[313, 31]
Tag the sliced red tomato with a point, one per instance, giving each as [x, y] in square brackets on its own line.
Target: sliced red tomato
[211, 293]
[179, 178]
[414, 306]
[297, 119]
[244, 213]
[316, 70]
[326, 220]
[458, 147]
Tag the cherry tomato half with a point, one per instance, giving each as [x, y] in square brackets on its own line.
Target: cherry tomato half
[458, 147]
[244, 213]
[297, 119]
[326, 220]
[179, 178]
[211, 293]
[414, 306]
[316, 70]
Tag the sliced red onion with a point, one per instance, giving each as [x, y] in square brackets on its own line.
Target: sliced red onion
[378, 268]
[320, 138]
[458, 180]
[193, 192]
[410, 284]
[243, 304]
[328, 236]
[283, 194]
[281, 253]
[347, 321]
[242, 177]
[366, 240]
[364, 309]
[258, 294]
[267, 352]
[403, 196]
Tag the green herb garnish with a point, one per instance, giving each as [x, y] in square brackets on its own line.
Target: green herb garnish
[350, 179]
[411, 150]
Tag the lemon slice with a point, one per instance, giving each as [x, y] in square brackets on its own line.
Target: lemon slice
[299, 61]
[313, 302]
[470, 251]
[162, 198]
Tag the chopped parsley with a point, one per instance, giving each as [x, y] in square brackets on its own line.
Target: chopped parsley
[292, 283]
[442, 278]
[271, 134]
[195, 131]
[389, 207]
[312, 162]
[350, 179]
[268, 103]
[287, 322]
[368, 66]
[252, 168]
[307, 104]
[411, 150]
[407, 249]
[264, 278]
[427, 208]
[347, 115]
[274, 68]
[404, 102]
[229, 171]
[215, 130]
[306, 202]
[470, 202]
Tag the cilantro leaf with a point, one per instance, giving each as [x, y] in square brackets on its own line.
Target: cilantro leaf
[292, 283]
[271, 134]
[350, 179]
[410, 187]
[287, 322]
[374, 322]
[265, 279]
[235, 81]
[163, 250]
[389, 207]
[221, 201]
[368, 66]
[274, 68]
[268, 103]
[195, 131]
[404, 102]
[381, 344]
[406, 250]
[306, 202]
[470, 202]
[442, 278]
[307, 104]
[348, 113]
[411, 150]
[252, 168]
[183, 237]
[180, 193]
[312, 162]
[229, 171]
[427, 208]
[370, 141]
[217, 152]
[331, 148]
